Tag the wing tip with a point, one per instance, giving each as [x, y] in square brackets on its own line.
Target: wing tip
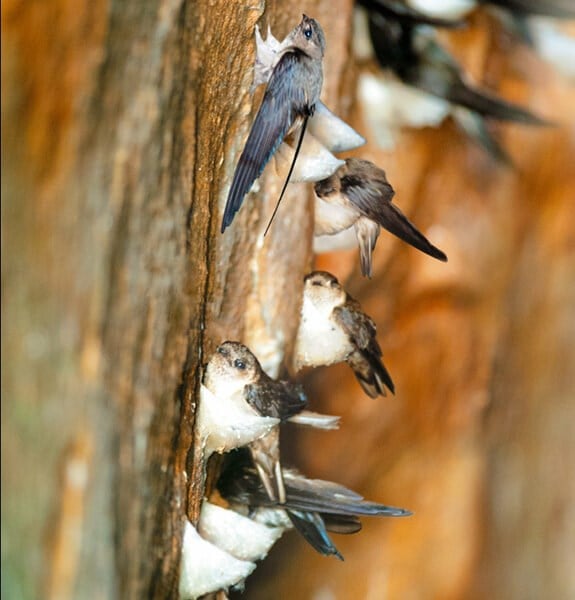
[438, 254]
[382, 510]
[232, 207]
[382, 377]
[377, 386]
[227, 217]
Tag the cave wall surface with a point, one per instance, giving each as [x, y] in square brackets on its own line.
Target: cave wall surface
[121, 126]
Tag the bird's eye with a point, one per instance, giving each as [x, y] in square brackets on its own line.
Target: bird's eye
[316, 282]
[307, 32]
[221, 350]
[239, 364]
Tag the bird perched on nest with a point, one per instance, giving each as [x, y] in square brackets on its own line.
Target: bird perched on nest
[333, 328]
[313, 506]
[292, 92]
[240, 405]
[358, 195]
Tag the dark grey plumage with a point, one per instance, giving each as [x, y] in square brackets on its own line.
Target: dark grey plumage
[293, 89]
[314, 506]
[366, 359]
[279, 399]
[282, 400]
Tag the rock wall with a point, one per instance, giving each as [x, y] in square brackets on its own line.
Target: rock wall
[122, 123]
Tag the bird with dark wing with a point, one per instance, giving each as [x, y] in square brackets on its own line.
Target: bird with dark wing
[289, 100]
[333, 328]
[315, 507]
[358, 195]
[412, 53]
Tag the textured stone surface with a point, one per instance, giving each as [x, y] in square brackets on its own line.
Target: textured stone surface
[122, 123]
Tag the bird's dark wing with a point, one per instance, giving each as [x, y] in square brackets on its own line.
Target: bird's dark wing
[437, 72]
[399, 10]
[490, 106]
[367, 191]
[282, 103]
[371, 373]
[392, 42]
[239, 482]
[560, 9]
[374, 201]
[279, 399]
[432, 69]
[366, 361]
[358, 326]
[329, 498]
[312, 528]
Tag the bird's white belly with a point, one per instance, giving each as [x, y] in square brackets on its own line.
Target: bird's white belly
[333, 216]
[319, 341]
[344, 240]
[227, 422]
